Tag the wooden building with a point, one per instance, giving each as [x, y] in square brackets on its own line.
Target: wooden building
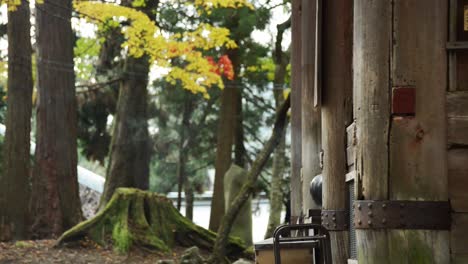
[380, 111]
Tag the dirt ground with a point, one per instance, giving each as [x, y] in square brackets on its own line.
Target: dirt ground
[43, 252]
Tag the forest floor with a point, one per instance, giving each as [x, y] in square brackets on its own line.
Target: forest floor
[43, 252]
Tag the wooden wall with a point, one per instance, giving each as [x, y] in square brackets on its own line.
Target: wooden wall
[457, 110]
[457, 121]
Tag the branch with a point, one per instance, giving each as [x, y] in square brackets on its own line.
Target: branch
[219, 250]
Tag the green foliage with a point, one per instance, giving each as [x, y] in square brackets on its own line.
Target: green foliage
[86, 51]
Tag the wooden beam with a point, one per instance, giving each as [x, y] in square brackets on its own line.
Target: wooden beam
[311, 146]
[336, 84]
[457, 111]
[418, 154]
[296, 122]
[458, 179]
[372, 38]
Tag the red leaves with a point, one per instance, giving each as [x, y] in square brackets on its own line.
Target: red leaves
[222, 67]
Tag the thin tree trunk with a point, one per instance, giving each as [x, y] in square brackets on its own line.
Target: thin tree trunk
[14, 183]
[184, 181]
[55, 203]
[279, 159]
[130, 149]
[219, 250]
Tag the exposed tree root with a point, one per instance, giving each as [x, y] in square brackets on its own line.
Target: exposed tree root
[143, 219]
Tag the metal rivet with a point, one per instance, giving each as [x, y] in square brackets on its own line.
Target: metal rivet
[359, 222]
[369, 205]
[369, 222]
[384, 206]
[334, 219]
[402, 205]
[333, 214]
[384, 221]
[334, 226]
[370, 214]
[326, 215]
[359, 206]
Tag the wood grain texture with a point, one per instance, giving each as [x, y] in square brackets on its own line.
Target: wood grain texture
[458, 179]
[371, 61]
[457, 111]
[459, 234]
[311, 139]
[336, 84]
[418, 161]
[296, 111]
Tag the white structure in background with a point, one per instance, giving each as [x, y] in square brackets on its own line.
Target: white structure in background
[85, 176]
[201, 210]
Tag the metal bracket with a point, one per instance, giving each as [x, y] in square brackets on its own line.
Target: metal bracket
[428, 215]
[335, 220]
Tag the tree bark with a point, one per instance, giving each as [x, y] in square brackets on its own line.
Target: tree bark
[55, 203]
[135, 218]
[219, 250]
[14, 183]
[230, 132]
[130, 149]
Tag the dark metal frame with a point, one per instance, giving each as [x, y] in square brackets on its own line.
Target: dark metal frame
[319, 240]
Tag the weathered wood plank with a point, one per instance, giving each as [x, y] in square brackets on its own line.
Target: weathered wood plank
[457, 104]
[459, 233]
[457, 111]
[336, 83]
[458, 130]
[371, 61]
[458, 179]
[311, 141]
[459, 259]
[296, 109]
[418, 161]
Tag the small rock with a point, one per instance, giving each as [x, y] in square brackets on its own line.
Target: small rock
[243, 261]
[165, 261]
[192, 256]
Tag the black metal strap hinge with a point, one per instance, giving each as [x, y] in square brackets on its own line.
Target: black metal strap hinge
[426, 215]
[335, 220]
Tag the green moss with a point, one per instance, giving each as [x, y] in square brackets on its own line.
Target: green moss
[137, 218]
[418, 250]
[24, 244]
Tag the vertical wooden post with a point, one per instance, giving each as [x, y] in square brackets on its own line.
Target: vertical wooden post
[311, 146]
[296, 127]
[398, 44]
[337, 81]
[372, 30]
[418, 148]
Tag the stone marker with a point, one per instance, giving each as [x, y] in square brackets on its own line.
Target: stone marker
[233, 181]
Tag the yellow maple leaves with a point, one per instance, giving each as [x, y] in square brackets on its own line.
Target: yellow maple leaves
[144, 37]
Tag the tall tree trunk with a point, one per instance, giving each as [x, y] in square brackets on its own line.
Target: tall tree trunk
[225, 140]
[281, 60]
[129, 158]
[55, 203]
[14, 183]
[130, 152]
[230, 132]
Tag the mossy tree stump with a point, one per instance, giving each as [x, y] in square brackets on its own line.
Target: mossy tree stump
[135, 218]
